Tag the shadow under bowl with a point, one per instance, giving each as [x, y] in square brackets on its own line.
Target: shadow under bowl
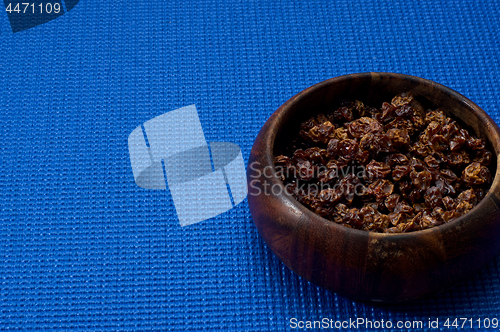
[359, 264]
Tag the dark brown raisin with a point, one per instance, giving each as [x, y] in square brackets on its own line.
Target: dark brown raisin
[475, 174]
[431, 161]
[433, 197]
[377, 170]
[395, 169]
[421, 180]
[398, 138]
[391, 201]
[322, 133]
[348, 149]
[400, 171]
[483, 157]
[363, 126]
[343, 114]
[330, 195]
[333, 148]
[404, 98]
[396, 159]
[436, 115]
[305, 170]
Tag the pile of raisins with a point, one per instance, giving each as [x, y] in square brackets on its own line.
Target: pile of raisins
[396, 169]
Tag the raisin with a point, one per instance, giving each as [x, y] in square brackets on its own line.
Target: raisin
[448, 175]
[467, 196]
[457, 142]
[321, 118]
[404, 110]
[449, 203]
[400, 171]
[396, 159]
[431, 161]
[317, 155]
[428, 221]
[305, 170]
[405, 186]
[282, 161]
[322, 133]
[450, 129]
[398, 137]
[396, 218]
[388, 112]
[343, 114]
[380, 223]
[433, 197]
[333, 148]
[409, 227]
[348, 186]
[439, 143]
[404, 98]
[377, 170]
[369, 214]
[440, 157]
[348, 149]
[429, 132]
[328, 175]
[475, 174]
[480, 193]
[374, 143]
[421, 180]
[483, 157]
[421, 149]
[437, 214]
[445, 187]
[403, 124]
[329, 195]
[457, 159]
[437, 116]
[415, 195]
[450, 215]
[463, 207]
[391, 201]
[381, 189]
[362, 126]
[282, 165]
[362, 156]
[306, 125]
[353, 218]
[299, 155]
[341, 133]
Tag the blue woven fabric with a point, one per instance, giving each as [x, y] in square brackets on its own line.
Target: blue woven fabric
[83, 248]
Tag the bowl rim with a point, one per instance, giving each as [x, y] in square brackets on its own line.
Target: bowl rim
[273, 130]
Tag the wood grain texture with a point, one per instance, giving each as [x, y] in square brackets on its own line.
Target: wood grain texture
[359, 264]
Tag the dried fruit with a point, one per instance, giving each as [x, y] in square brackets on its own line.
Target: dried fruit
[404, 98]
[322, 133]
[398, 137]
[475, 174]
[396, 169]
[362, 126]
[348, 149]
[377, 170]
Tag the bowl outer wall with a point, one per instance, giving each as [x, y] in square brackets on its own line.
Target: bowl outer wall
[367, 265]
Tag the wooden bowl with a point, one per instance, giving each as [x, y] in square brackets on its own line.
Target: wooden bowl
[360, 264]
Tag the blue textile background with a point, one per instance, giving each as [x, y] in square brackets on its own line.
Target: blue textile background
[83, 248]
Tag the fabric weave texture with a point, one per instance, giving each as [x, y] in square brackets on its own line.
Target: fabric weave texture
[82, 247]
